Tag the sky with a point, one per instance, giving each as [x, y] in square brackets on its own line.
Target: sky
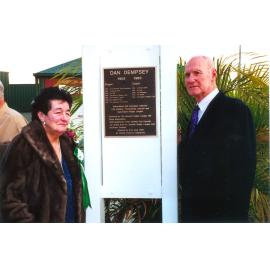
[36, 35]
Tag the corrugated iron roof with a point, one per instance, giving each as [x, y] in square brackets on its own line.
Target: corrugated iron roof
[72, 68]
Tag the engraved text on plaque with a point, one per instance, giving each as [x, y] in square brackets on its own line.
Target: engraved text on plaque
[130, 101]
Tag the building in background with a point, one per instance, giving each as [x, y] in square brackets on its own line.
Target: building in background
[20, 96]
[47, 77]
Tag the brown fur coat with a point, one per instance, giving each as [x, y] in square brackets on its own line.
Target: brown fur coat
[34, 187]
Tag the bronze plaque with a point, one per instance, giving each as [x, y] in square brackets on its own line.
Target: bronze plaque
[130, 101]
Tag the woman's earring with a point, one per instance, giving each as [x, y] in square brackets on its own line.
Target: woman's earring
[44, 123]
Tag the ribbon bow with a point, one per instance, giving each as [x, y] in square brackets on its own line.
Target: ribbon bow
[85, 193]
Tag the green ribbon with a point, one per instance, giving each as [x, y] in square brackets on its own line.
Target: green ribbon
[85, 193]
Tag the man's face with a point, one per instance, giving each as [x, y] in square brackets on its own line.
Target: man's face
[199, 78]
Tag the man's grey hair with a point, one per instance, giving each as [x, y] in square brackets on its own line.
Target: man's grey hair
[207, 59]
[2, 88]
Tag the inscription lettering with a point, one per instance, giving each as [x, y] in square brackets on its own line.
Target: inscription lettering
[130, 101]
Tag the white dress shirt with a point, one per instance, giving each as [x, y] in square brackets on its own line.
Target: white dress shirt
[203, 104]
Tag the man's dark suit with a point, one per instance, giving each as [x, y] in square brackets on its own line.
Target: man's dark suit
[217, 164]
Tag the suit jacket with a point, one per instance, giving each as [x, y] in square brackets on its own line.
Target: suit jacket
[217, 164]
[34, 188]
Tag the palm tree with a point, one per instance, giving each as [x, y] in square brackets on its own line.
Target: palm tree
[250, 83]
[69, 78]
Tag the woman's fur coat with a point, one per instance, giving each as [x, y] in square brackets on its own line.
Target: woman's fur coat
[34, 188]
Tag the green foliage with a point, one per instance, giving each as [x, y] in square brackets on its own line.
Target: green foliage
[250, 83]
[132, 210]
[259, 207]
[69, 79]
[185, 103]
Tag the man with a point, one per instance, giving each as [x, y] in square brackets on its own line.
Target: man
[217, 155]
[11, 122]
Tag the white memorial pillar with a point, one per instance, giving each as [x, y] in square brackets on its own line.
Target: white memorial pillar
[130, 149]
[169, 57]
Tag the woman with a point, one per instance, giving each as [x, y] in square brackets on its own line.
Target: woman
[42, 175]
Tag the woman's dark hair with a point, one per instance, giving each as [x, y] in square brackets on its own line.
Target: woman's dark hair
[42, 102]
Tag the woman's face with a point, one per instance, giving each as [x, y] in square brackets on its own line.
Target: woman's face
[57, 119]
